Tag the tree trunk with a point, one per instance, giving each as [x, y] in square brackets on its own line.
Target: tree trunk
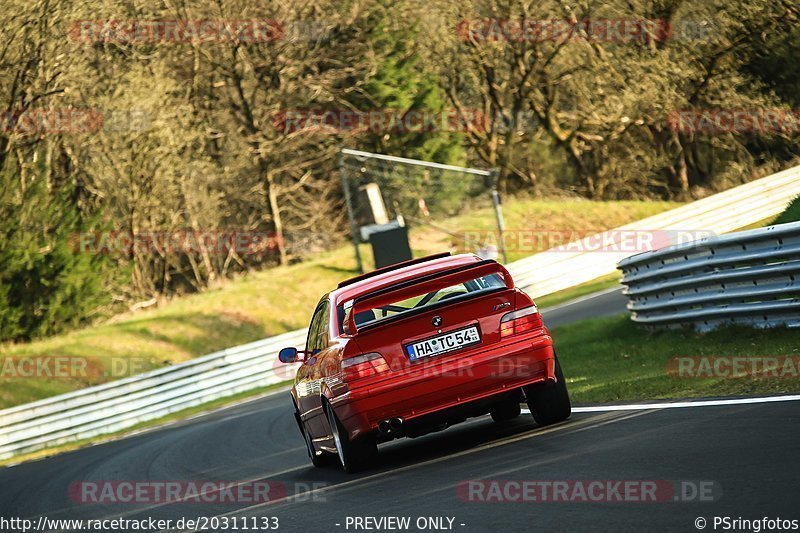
[682, 175]
[277, 221]
[211, 274]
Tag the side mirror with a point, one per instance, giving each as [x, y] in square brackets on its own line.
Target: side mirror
[289, 355]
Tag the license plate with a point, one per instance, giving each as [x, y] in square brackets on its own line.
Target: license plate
[443, 343]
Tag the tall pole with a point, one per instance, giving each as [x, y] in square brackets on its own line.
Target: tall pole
[350, 213]
[498, 212]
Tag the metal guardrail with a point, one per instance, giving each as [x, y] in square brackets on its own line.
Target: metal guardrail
[126, 402]
[584, 261]
[121, 404]
[750, 277]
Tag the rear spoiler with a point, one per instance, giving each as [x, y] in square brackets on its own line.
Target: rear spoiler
[395, 266]
[409, 288]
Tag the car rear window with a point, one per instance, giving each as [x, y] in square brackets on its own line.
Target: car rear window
[465, 290]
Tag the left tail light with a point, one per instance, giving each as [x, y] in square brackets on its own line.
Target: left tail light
[362, 366]
[520, 321]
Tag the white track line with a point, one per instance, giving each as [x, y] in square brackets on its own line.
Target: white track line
[581, 299]
[675, 405]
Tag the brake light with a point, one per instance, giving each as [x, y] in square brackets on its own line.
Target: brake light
[519, 321]
[362, 366]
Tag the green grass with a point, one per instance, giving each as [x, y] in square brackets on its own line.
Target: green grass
[790, 214]
[613, 359]
[270, 302]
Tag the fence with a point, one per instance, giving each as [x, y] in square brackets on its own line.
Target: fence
[749, 277]
[126, 402]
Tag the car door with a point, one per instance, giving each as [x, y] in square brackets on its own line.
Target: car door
[306, 384]
[311, 382]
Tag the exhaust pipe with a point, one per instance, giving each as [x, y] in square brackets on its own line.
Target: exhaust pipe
[390, 426]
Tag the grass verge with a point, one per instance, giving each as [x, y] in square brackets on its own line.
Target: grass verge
[613, 359]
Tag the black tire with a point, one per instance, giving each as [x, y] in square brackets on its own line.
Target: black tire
[549, 403]
[354, 455]
[319, 460]
[507, 411]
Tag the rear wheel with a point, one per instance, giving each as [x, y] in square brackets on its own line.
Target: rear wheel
[549, 403]
[354, 455]
[507, 411]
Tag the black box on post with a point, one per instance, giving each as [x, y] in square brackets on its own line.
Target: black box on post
[390, 246]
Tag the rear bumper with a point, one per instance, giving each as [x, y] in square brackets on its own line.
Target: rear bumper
[415, 393]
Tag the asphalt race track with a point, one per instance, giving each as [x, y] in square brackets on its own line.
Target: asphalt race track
[744, 454]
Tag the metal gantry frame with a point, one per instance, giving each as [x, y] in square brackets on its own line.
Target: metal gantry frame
[363, 156]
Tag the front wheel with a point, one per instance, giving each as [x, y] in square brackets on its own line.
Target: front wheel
[318, 459]
[549, 403]
[354, 455]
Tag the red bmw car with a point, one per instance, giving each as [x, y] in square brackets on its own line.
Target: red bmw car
[416, 347]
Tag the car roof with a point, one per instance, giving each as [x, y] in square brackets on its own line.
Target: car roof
[369, 284]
